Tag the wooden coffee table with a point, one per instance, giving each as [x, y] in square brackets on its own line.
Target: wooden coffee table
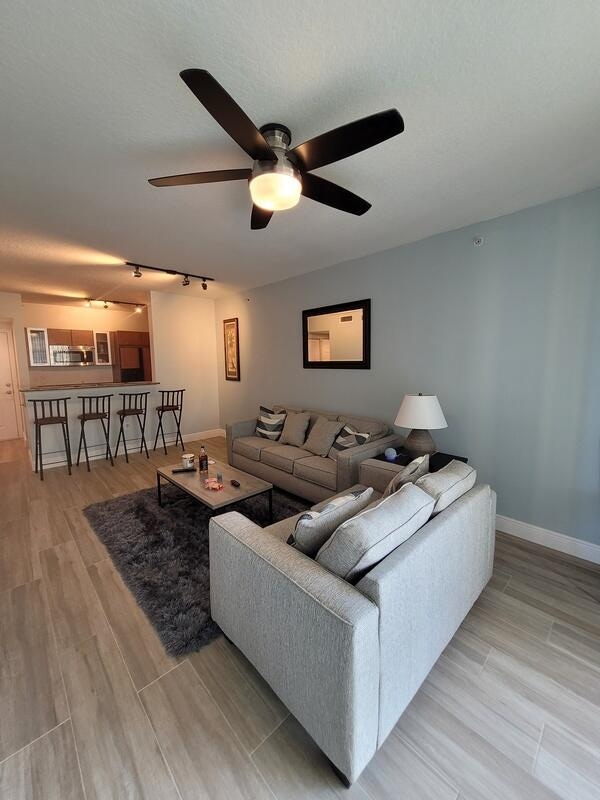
[193, 484]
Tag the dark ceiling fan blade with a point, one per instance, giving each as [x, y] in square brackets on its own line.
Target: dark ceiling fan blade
[215, 176]
[260, 218]
[333, 195]
[349, 139]
[227, 113]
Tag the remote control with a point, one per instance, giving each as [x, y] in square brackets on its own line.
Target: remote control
[183, 469]
[235, 483]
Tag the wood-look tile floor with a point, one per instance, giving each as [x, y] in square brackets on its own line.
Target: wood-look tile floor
[92, 707]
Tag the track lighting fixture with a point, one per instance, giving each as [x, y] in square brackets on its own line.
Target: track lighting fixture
[88, 303]
[138, 309]
[137, 273]
[105, 305]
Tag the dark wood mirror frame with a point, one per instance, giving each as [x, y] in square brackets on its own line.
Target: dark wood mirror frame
[365, 363]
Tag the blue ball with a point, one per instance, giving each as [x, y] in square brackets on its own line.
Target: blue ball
[390, 454]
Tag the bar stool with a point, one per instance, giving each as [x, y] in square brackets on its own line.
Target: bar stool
[170, 400]
[50, 412]
[94, 408]
[135, 404]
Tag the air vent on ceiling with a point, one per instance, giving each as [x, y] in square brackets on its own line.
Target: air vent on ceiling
[347, 318]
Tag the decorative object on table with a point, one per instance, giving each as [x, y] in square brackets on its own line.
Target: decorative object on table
[187, 460]
[232, 349]
[422, 413]
[203, 460]
[337, 337]
[213, 484]
[220, 477]
[162, 555]
[178, 470]
[390, 454]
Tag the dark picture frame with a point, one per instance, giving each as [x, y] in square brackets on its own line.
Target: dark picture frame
[231, 343]
[365, 363]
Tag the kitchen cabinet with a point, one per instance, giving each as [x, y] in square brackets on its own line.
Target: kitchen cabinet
[134, 338]
[60, 336]
[37, 346]
[82, 338]
[131, 356]
[103, 348]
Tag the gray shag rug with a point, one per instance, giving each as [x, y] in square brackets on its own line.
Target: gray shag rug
[162, 555]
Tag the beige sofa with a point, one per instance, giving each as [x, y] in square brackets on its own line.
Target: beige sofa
[297, 470]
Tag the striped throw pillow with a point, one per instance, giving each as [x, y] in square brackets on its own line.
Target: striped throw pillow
[269, 424]
[347, 437]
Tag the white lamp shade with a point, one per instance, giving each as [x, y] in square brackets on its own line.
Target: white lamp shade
[421, 411]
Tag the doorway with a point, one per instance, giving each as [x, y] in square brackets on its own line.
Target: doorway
[9, 412]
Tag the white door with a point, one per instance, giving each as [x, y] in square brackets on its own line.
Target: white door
[8, 406]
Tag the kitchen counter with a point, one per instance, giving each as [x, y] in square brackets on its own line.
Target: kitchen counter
[72, 386]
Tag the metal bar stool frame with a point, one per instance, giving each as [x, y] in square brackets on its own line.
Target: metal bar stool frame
[50, 412]
[134, 404]
[94, 408]
[170, 400]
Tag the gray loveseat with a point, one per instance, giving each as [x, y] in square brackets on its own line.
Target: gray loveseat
[347, 659]
[297, 470]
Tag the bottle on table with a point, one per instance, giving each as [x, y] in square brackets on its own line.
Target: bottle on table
[203, 460]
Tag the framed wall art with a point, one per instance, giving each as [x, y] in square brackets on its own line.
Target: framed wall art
[232, 349]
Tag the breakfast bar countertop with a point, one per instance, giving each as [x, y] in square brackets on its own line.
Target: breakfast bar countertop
[78, 386]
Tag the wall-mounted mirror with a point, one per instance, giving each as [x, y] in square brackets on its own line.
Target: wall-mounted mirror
[337, 337]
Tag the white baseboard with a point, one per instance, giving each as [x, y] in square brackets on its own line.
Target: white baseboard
[556, 541]
[190, 437]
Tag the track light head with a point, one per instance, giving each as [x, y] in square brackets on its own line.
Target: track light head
[137, 272]
[88, 303]
[204, 285]
[105, 305]
[185, 281]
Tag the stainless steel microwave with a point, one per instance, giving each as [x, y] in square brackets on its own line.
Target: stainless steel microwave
[64, 355]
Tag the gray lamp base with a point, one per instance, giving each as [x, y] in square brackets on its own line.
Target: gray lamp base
[419, 443]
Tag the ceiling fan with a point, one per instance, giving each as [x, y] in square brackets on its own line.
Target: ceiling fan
[280, 174]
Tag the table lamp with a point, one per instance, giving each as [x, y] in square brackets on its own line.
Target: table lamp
[422, 413]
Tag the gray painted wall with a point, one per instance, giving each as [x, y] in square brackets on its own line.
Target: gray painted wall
[507, 335]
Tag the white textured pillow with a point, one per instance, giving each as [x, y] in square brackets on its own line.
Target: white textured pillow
[410, 474]
[313, 528]
[448, 484]
[366, 539]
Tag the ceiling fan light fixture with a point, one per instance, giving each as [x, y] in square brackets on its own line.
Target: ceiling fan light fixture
[275, 190]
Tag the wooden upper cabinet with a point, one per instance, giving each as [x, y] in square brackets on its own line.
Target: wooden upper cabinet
[59, 336]
[134, 338]
[82, 338]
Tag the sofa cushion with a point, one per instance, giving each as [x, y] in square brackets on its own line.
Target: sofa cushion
[294, 428]
[347, 437]
[409, 474]
[322, 435]
[366, 539]
[282, 456]
[284, 528]
[448, 484]
[313, 528]
[269, 424]
[375, 427]
[322, 471]
[251, 446]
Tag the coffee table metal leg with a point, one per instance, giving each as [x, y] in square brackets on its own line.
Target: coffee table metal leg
[158, 489]
[270, 505]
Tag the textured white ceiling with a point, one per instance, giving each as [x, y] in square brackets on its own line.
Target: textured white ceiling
[501, 102]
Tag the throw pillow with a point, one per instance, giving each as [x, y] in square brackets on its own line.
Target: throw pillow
[322, 436]
[294, 428]
[347, 437]
[366, 539]
[269, 424]
[448, 484]
[313, 528]
[410, 474]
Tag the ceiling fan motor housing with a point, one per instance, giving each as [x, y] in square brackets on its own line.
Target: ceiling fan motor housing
[279, 138]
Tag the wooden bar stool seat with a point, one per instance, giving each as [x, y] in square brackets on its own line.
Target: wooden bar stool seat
[134, 404]
[95, 408]
[50, 412]
[170, 400]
